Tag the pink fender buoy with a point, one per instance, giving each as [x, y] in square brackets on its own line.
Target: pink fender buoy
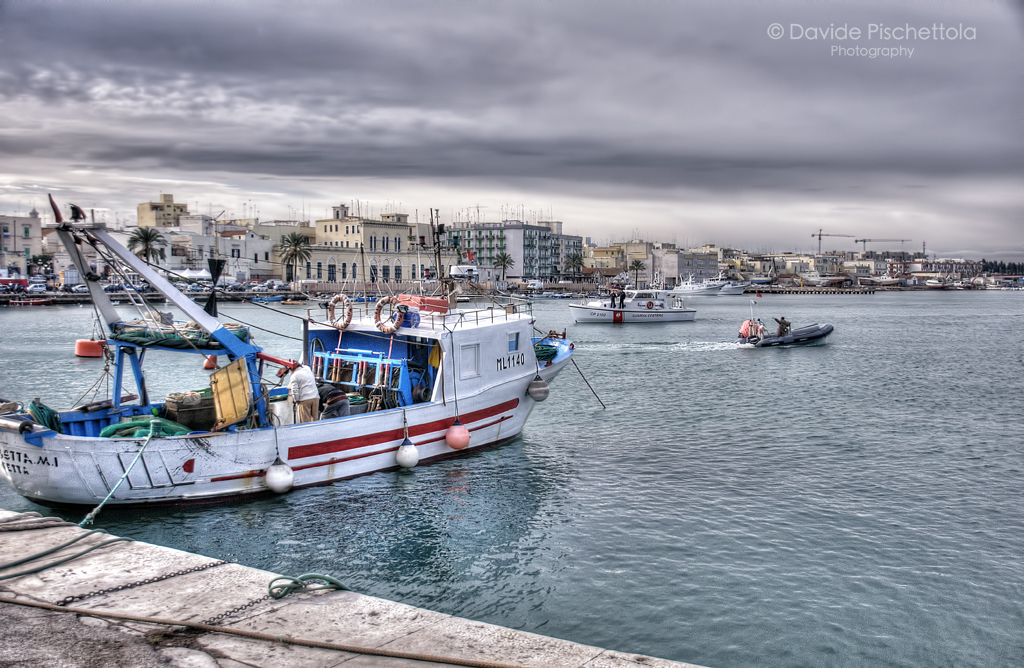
[457, 436]
[210, 363]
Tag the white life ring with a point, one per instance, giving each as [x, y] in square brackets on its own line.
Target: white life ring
[389, 326]
[346, 305]
[650, 305]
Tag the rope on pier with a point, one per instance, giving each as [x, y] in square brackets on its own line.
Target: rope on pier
[284, 640]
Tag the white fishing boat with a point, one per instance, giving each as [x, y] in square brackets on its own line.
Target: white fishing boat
[435, 381]
[639, 306]
[733, 288]
[693, 288]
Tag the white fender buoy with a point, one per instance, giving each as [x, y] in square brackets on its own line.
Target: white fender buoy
[457, 436]
[280, 477]
[538, 389]
[407, 456]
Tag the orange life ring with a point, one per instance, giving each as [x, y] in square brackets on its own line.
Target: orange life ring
[389, 326]
[346, 305]
[650, 305]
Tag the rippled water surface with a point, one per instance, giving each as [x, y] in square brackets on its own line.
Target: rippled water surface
[857, 503]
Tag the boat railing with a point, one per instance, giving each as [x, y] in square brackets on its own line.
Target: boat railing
[495, 312]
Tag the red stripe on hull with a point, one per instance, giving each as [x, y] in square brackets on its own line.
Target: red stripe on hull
[338, 460]
[342, 444]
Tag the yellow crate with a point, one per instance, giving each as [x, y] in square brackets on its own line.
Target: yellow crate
[232, 394]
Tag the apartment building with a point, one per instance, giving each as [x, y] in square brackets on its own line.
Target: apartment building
[388, 249]
[22, 239]
[165, 213]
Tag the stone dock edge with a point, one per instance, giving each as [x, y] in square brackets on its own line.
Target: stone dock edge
[178, 605]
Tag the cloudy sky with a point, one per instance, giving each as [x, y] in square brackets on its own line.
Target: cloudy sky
[661, 119]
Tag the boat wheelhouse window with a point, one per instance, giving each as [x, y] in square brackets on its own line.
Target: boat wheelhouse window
[513, 342]
[470, 361]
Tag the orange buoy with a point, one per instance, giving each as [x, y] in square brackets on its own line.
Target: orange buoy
[210, 363]
[89, 348]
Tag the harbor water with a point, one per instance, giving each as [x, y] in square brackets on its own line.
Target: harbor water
[857, 503]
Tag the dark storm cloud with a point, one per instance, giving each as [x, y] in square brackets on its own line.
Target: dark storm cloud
[598, 97]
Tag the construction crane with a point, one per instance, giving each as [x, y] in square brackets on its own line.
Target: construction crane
[865, 241]
[821, 234]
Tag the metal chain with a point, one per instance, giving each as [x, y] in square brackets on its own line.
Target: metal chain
[215, 621]
[159, 578]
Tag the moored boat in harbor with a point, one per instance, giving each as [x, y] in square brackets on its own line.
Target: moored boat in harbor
[435, 382]
[35, 301]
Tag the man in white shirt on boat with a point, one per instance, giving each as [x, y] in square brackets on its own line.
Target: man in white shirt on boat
[305, 396]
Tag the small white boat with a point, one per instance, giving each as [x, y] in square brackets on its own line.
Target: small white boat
[640, 306]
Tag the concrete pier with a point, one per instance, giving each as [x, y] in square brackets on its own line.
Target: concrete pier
[174, 621]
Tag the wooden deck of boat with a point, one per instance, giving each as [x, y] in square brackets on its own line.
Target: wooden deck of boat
[43, 636]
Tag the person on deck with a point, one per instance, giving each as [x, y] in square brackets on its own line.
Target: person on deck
[305, 396]
[622, 299]
[336, 405]
[784, 326]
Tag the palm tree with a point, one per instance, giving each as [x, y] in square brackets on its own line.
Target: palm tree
[294, 249]
[504, 261]
[636, 266]
[574, 262]
[148, 240]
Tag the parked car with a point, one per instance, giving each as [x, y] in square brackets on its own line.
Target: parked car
[81, 287]
[196, 287]
[113, 288]
[36, 289]
[260, 288]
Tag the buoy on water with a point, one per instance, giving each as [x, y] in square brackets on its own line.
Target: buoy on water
[210, 363]
[538, 389]
[89, 348]
[407, 456]
[279, 477]
[457, 436]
